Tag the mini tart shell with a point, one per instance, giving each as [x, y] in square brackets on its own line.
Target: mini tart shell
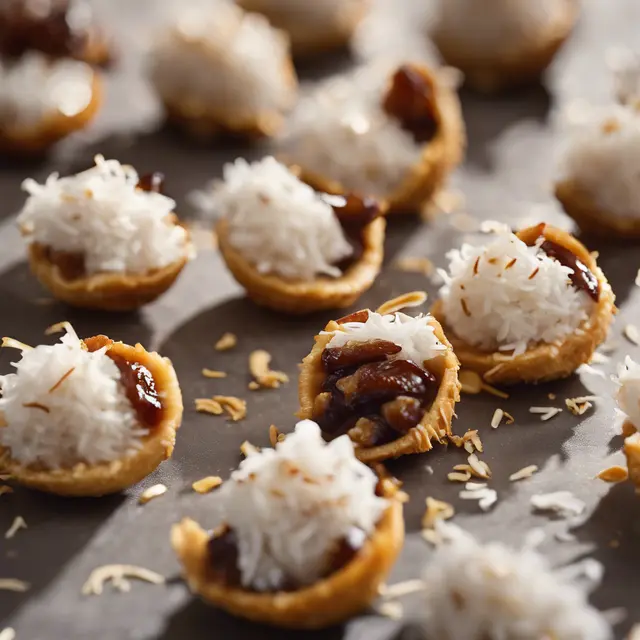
[300, 297]
[436, 422]
[439, 157]
[329, 601]
[105, 291]
[591, 219]
[111, 477]
[37, 139]
[516, 68]
[542, 362]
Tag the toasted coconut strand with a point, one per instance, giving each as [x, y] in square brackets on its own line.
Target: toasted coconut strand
[436, 510]
[207, 405]
[479, 468]
[525, 472]
[411, 299]
[18, 523]
[246, 449]
[423, 266]
[579, 406]
[61, 380]
[400, 589]
[275, 436]
[5, 489]
[235, 407]
[458, 477]
[226, 342]
[205, 485]
[212, 373]
[391, 609]
[632, 334]
[546, 413]
[58, 327]
[13, 584]
[253, 386]
[7, 634]
[509, 419]
[118, 574]
[259, 361]
[616, 473]
[494, 392]
[10, 343]
[497, 418]
[152, 492]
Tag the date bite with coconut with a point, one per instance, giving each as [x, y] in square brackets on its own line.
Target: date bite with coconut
[628, 398]
[389, 381]
[598, 186]
[493, 592]
[525, 307]
[104, 238]
[308, 535]
[294, 249]
[314, 27]
[502, 43]
[219, 69]
[87, 417]
[394, 134]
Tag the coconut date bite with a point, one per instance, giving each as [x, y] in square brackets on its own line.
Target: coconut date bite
[87, 417]
[628, 397]
[388, 381]
[293, 249]
[394, 134]
[314, 27]
[224, 70]
[307, 535]
[525, 307]
[104, 238]
[502, 43]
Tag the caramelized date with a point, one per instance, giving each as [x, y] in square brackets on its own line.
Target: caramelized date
[152, 182]
[356, 316]
[403, 413]
[223, 558]
[371, 432]
[70, 265]
[346, 550]
[352, 210]
[356, 353]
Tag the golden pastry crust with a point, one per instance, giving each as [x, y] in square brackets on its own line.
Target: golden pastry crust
[111, 477]
[55, 127]
[106, 291]
[542, 362]
[330, 601]
[300, 297]
[518, 67]
[590, 217]
[97, 51]
[632, 452]
[435, 424]
[439, 156]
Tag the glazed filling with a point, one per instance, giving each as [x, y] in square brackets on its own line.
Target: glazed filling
[411, 100]
[371, 397]
[138, 382]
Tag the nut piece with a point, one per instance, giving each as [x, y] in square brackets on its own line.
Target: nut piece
[205, 485]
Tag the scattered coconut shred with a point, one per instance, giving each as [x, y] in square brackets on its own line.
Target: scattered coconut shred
[152, 492]
[226, 342]
[13, 584]
[270, 497]
[236, 408]
[479, 491]
[628, 396]
[118, 575]
[563, 503]
[265, 377]
[206, 485]
[7, 634]
[18, 523]
[505, 295]
[493, 592]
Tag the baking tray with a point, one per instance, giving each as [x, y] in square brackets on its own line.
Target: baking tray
[507, 176]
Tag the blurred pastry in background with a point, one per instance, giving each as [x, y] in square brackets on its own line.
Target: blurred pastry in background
[104, 238]
[502, 43]
[525, 307]
[628, 398]
[219, 69]
[395, 134]
[293, 249]
[625, 67]
[314, 27]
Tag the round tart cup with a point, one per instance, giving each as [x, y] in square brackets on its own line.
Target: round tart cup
[436, 422]
[329, 601]
[37, 139]
[111, 477]
[519, 67]
[542, 362]
[300, 297]
[591, 219]
[439, 157]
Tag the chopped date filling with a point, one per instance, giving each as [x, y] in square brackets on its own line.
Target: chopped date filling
[71, 265]
[411, 100]
[372, 398]
[152, 182]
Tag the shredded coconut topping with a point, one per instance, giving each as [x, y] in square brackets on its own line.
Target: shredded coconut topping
[87, 418]
[414, 334]
[291, 505]
[276, 221]
[341, 132]
[506, 295]
[493, 592]
[222, 60]
[625, 65]
[100, 214]
[628, 396]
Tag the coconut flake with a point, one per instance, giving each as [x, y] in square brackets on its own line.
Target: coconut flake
[13, 584]
[259, 361]
[18, 523]
[226, 342]
[628, 396]
[7, 634]
[485, 497]
[288, 507]
[497, 418]
[525, 472]
[561, 502]
[118, 575]
[206, 485]
[401, 589]
[632, 334]
[391, 609]
[150, 493]
[546, 413]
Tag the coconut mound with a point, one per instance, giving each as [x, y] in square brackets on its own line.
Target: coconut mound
[506, 295]
[414, 334]
[290, 506]
[492, 592]
[225, 59]
[65, 406]
[628, 396]
[100, 214]
[341, 132]
[625, 65]
[602, 158]
[276, 221]
[34, 87]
